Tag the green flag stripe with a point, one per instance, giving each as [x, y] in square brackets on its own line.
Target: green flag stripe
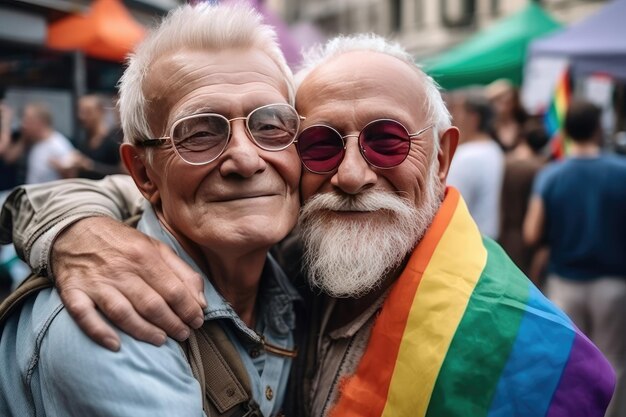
[481, 345]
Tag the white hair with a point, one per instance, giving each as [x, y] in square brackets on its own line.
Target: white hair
[437, 112]
[201, 27]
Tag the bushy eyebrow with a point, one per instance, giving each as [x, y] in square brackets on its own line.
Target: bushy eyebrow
[252, 105]
[194, 110]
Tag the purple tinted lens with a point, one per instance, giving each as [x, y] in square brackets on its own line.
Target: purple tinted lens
[385, 143]
[320, 148]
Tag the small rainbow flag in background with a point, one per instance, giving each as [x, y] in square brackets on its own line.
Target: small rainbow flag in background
[463, 333]
[555, 116]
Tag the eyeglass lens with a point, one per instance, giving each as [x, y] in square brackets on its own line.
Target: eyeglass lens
[320, 148]
[384, 144]
[202, 138]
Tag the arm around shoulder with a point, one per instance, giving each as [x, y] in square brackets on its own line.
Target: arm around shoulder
[34, 215]
[136, 281]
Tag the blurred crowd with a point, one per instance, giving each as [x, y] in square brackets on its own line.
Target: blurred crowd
[501, 149]
[561, 221]
[32, 151]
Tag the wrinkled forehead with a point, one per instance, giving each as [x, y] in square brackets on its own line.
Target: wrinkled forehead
[362, 74]
[217, 78]
[220, 68]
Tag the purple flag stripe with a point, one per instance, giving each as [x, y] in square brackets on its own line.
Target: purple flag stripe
[588, 377]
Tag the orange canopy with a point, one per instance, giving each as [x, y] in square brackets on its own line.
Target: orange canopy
[108, 31]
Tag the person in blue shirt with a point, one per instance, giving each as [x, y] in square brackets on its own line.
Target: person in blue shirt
[578, 209]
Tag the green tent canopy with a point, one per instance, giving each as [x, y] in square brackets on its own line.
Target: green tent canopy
[496, 52]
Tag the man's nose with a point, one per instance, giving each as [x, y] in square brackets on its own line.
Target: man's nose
[354, 174]
[241, 157]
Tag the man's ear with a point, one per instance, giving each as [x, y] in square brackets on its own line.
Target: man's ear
[135, 162]
[448, 142]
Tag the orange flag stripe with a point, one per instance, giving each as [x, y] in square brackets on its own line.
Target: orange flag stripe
[379, 362]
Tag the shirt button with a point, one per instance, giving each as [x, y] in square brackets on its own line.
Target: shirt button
[255, 353]
[269, 394]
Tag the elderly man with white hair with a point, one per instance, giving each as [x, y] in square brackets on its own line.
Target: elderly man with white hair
[420, 315]
[206, 109]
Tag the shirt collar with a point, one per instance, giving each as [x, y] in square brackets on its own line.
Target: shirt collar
[350, 329]
[275, 299]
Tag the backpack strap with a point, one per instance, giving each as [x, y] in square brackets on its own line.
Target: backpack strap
[30, 286]
[223, 378]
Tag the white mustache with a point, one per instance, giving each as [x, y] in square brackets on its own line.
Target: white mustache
[365, 202]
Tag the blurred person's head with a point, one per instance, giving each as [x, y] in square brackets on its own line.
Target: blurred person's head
[504, 97]
[376, 144]
[582, 122]
[472, 114]
[208, 126]
[36, 122]
[91, 112]
[509, 114]
[534, 134]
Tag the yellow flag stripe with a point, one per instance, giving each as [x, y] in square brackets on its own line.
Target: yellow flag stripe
[437, 310]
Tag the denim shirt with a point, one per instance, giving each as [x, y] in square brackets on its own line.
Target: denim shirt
[50, 368]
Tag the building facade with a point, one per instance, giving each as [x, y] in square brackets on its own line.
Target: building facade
[425, 27]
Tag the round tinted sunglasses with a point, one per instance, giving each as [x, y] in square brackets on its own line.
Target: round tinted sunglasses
[383, 143]
[201, 138]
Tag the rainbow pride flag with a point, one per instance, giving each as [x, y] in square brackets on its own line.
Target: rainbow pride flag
[554, 118]
[463, 333]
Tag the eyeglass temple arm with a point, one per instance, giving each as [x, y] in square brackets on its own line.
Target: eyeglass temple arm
[419, 132]
[153, 142]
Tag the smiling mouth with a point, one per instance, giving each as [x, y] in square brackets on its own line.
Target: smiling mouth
[352, 212]
[242, 197]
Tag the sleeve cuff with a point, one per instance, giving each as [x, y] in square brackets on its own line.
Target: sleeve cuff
[39, 254]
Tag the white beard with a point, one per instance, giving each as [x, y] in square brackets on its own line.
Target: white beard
[349, 257]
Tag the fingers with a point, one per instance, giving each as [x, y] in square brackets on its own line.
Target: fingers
[119, 310]
[153, 308]
[138, 283]
[187, 300]
[190, 278]
[149, 322]
[83, 310]
[151, 283]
